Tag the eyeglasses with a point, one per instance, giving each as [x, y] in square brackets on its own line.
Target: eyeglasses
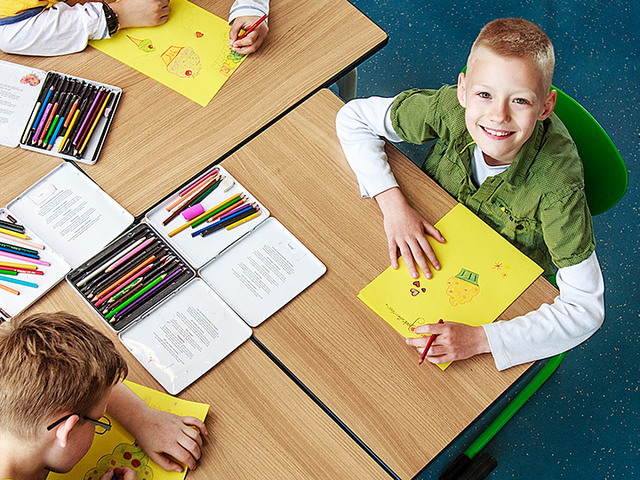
[102, 427]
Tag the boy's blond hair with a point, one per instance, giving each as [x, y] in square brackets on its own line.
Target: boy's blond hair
[52, 363]
[516, 37]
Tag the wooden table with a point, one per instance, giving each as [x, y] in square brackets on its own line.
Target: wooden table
[351, 359]
[160, 139]
[261, 425]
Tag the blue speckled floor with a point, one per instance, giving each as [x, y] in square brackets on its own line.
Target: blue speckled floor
[584, 423]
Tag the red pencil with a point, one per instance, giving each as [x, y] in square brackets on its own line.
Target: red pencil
[426, 349]
[252, 27]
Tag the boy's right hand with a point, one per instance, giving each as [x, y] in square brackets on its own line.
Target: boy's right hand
[407, 233]
[141, 13]
[121, 473]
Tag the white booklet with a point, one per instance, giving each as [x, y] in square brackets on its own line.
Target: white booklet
[186, 336]
[71, 218]
[263, 271]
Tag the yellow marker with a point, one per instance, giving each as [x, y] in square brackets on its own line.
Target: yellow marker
[66, 135]
[18, 265]
[15, 234]
[95, 122]
[244, 220]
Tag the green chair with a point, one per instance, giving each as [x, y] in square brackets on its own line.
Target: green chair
[606, 181]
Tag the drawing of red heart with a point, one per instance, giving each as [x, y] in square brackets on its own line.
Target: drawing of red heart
[199, 34]
[417, 283]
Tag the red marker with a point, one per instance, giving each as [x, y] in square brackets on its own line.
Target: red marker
[426, 349]
[252, 27]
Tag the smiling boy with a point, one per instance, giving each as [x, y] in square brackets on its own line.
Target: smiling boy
[502, 153]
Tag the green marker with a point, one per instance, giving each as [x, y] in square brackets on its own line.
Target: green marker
[136, 296]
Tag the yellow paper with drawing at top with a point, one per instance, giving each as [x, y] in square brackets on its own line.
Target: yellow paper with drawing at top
[118, 448]
[189, 54]
[481, 275]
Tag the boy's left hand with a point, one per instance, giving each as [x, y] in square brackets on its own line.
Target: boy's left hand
[454, 341]
[167, 437]
[253, 40]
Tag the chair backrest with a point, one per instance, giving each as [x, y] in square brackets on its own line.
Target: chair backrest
[605, 174]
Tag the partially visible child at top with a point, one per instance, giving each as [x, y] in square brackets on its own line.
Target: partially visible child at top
[49, 27]
[503, 153]
[58, 377]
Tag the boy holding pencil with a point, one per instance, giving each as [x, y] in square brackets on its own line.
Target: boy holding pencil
[58, 377]
[502, 153]
[51, 27]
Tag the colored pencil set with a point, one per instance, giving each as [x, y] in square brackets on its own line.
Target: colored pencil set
[69, 109]
[230, 213]
[130, 276]
[19, 259]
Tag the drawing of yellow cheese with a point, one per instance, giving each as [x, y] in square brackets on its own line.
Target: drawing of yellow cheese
[463, 287]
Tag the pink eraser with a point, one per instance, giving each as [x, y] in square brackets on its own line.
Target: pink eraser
[192, 212]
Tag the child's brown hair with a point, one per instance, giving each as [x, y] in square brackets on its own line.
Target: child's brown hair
[52, 363]
[516, 37]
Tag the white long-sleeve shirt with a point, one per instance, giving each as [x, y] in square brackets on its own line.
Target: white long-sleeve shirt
[63, 29]
[575, 314]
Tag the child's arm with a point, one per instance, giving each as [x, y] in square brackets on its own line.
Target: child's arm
[576, 314]
[141, 13]
[64, 29]
[243, 14]
[361, 124]
[163, 436]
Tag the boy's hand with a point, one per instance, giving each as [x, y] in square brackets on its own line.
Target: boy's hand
[253, 40]
[163, 436]
[141, 13]
[167, 437]
[454, 341]
[407, 232]
[121, 473]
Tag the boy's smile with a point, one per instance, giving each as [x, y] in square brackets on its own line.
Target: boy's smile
[503, 99]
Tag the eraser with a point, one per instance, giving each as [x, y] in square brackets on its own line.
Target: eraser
[192, 212]
[226, 184]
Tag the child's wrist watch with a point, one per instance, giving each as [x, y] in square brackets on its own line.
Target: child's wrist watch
[111, 17]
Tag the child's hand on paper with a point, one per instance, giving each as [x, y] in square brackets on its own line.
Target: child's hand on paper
[164, 437]
[121, 473]
[454, 341]
[407, 232]
[167, 437]
[141, 13]
[253, 40]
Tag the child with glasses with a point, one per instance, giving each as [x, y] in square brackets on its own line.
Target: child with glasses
[58, 378]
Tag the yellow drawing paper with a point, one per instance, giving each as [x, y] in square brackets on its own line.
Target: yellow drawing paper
[190, 53]
[118, 448]
[481, 275]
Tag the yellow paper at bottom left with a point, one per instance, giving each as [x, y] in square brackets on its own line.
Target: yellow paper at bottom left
[117, 448]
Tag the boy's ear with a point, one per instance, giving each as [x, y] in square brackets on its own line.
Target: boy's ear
[549, 105]
[64, 429]
[462, 89]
